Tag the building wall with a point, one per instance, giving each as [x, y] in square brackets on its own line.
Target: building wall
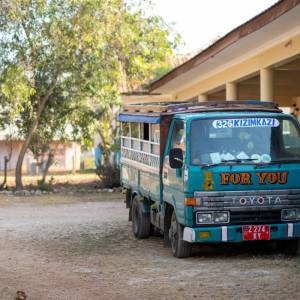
[259, 60]
[210, 82]
[67, 157]
[5, 150]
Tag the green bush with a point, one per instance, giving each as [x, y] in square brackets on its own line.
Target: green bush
[45, 186]
[109, 176]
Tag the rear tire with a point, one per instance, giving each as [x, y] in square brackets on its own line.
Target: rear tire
[140, 221]
[180, 248]
[289, 247]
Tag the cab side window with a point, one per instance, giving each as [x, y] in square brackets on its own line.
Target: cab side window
[290, 137]
[178, 137]
[173, 177]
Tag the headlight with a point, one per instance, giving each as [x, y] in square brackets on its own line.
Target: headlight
[221, 217]
[290, 214]
[204, 218]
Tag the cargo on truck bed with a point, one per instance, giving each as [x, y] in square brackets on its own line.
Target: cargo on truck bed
[212, 172]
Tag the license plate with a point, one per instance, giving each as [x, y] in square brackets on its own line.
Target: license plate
[256, 232]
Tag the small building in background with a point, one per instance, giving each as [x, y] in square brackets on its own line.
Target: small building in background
[66, 156]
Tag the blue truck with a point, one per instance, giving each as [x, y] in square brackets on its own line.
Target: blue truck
[213, 172]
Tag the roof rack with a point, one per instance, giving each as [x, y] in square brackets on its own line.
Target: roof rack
[170, 108]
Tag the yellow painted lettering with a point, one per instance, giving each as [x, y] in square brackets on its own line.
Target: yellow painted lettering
[262, 177]
[225, 178]
[282, 177]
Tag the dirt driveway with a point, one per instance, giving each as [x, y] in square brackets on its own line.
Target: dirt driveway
[81, 247]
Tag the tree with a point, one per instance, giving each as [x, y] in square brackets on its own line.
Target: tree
[74, 54]
[14, 93]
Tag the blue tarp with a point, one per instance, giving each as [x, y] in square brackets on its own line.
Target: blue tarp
[98, 157]
[138, 119]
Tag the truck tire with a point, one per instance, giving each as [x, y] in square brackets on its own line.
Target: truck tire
[180, 248]
[289, 247]
[140, 221]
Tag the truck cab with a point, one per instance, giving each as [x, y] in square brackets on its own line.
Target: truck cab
[213, 172]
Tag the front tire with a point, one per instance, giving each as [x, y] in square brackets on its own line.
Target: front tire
[140, 221]
[289, 247]
[180, 248]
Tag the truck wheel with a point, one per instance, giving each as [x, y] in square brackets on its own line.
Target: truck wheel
[289, 247]
[140, 220]
[180, 248]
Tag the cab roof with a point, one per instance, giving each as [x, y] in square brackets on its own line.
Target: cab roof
[227, 114]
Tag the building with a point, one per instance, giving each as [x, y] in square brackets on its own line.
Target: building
[260, 60]
[67, 156]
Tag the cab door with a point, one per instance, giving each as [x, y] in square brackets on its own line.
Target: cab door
[173, 179]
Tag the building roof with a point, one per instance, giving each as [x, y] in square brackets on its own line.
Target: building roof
[229, 40]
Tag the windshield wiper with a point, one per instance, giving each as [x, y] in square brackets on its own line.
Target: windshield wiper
[282, 161]
[227, 161]
[238, 160]
[279, 162]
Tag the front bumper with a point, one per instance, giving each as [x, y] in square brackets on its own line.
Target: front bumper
[233, 233]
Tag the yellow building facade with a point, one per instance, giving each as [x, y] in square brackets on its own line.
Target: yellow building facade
[258, 60]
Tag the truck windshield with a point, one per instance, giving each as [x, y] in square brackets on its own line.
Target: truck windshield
[255, 139]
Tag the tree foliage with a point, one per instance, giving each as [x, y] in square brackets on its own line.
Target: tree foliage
[62, 63]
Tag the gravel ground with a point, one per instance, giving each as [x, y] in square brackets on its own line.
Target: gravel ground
[81, 247]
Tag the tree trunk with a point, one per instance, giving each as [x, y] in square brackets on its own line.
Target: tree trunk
[19, 184]
[106, 157]
[49, 163]
[105, 149]
[3, 184]
[18, 174]
[6, 161]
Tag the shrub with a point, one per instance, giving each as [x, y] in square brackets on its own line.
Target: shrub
[109, 176]
[45, 186]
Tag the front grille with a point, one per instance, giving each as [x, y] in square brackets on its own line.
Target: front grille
[249, 207]
[235, 200]
[250, 218]
[255, 217]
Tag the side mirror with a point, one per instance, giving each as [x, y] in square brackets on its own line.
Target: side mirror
[176, 158]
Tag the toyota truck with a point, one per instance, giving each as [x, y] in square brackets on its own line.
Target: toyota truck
[213, 172]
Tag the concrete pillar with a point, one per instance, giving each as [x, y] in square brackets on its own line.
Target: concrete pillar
[231, 91]
[202, 98]
[74, 157]
[267, 85]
